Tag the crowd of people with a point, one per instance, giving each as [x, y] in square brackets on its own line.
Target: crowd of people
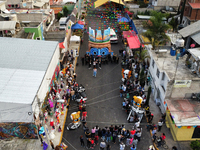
[112, 134]
[62, 90]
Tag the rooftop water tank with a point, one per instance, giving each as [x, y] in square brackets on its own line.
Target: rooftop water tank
[180, 43]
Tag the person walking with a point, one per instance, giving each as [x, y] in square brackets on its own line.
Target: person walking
[94, 72]
[122, 146]
[82, 141]
[160, 123]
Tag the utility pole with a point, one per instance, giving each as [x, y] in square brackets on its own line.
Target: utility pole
[182, 10]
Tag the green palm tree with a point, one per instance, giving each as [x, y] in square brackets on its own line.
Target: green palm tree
[156, 29]
[142, 55]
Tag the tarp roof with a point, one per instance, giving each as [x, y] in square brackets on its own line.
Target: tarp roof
[23, 64]
[66, 1]
[194, 5]
[133, 42]
[195, 52]
[61, 45]
[77, 26]
[7, 25]
[127, 34]
[75, 38]
[190, 30]
[196, 38]
[101, 2]
[38, 4]
[81, 22]
[122, 19]
[184, 112]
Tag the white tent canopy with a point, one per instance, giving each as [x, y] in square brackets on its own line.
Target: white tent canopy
[66, 1]
[75, 38]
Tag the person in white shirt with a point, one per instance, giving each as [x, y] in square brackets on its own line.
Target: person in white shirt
[122, 146]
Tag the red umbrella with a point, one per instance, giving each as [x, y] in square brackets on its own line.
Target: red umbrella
[192, 45]
[81, 22]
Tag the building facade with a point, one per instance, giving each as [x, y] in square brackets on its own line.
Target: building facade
[192, 9]
[171, 78]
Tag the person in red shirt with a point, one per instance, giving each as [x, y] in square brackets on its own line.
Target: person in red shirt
[133, 133]
[84, 115]
[163, 136]
[92, 143]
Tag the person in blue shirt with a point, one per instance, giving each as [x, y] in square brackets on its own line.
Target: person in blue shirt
[133, 147]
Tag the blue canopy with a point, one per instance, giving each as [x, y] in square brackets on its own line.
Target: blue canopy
[77, 26]
[123, 19]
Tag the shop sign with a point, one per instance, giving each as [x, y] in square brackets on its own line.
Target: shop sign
[182, 83]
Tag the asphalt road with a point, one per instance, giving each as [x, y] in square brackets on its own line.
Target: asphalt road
[104, 106]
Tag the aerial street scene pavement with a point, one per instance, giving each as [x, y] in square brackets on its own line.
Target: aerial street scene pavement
[99, 74]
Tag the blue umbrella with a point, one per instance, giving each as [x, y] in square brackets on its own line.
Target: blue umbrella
[123, 19]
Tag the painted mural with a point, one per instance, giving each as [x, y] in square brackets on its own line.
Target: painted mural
[20, 130]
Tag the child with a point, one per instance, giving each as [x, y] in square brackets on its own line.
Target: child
[92, 143]
[59, 129]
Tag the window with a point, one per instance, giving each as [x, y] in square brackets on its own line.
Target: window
[158, 93]
[163, 76]
[158, 73]
[153, 62]
[163, 87]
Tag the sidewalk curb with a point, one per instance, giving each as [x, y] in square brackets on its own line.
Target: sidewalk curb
[63, 127]
[151, 135]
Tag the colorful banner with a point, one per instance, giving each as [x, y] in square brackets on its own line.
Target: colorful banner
[106, 36]
[91, 34]
[99, 36]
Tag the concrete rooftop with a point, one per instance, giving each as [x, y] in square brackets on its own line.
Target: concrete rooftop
[184, 112]
[168, 63]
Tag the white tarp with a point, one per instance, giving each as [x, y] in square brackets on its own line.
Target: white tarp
[66, 1]
[195, 52]
[7, 25]
[75, 38]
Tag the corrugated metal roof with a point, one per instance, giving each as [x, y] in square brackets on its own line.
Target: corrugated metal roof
[196, 38]
[26, 54]
[7, 25]
[23, 64]
[190, 30]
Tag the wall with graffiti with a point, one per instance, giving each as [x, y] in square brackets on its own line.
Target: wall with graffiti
[19, 129]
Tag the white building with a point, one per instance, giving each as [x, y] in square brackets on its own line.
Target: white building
[27, 69]
[171, 78]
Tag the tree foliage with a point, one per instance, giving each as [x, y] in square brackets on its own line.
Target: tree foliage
[143, 55]
[142, 78]
[148, 95]
[156, 29]
[65, 11]
[173, 23]
[59, 15]
[195, 145]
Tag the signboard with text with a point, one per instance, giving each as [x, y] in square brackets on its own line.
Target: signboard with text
[182, 83]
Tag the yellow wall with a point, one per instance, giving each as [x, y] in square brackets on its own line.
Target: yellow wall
[179, 134]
